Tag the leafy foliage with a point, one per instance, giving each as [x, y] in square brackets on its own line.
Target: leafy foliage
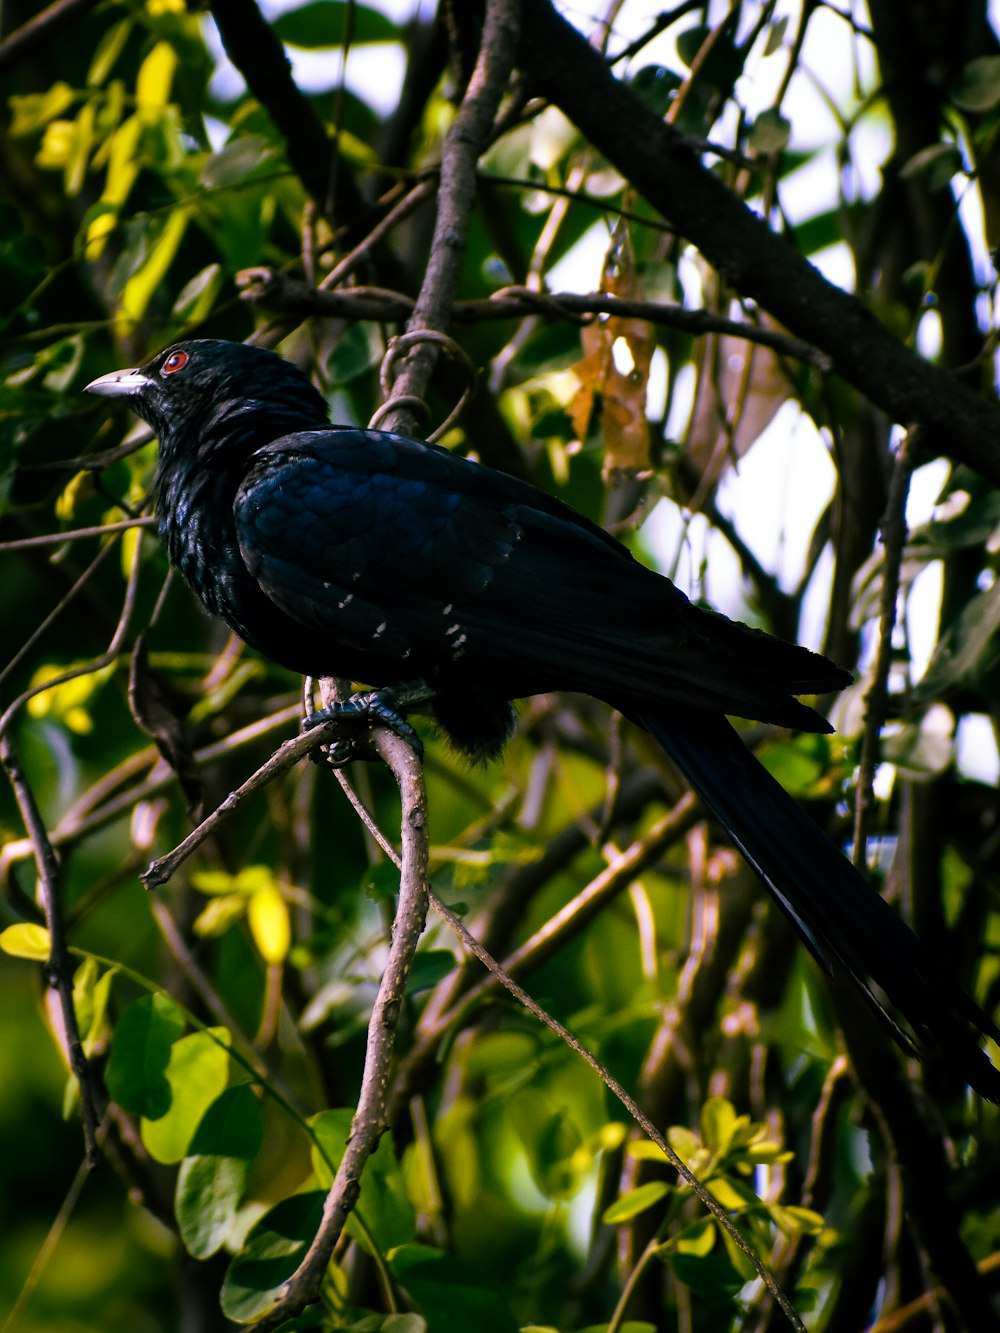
[147, 197]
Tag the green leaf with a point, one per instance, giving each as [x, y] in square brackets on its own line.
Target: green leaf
[429, 967]
[635, 1202]
[91, 990]
[274, 1249]
[212, 1179]
[792, 1219]
[196, 1074]
[770, 132]
[969, 649]
[709, 1275]
[977, 87]
[776, 35]
[246, 881]
[936, 163]
[697, 1238]
[197, 296]
[452, 1295]
[629, 1326]
[690, 42]
[136, 1074]
[35, 110]
[729, 1193]
[740, 1261]
[381, 882]
[684, 1143]
[802, 765]
[551, 1140]
[657, 86]
[270, 924]
[923, 750]
[240, 160]
[141, 286]
[718, 1123]
[109, 48]
[26, 940]
[329, 22]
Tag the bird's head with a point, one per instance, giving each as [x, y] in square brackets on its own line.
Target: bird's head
[204, 387]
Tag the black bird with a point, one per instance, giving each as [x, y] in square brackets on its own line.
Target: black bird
[360, 554]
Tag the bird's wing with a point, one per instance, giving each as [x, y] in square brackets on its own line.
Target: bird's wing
[393, 546]
[361, 535]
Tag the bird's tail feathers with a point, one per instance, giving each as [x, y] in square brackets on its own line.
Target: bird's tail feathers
[845, 923]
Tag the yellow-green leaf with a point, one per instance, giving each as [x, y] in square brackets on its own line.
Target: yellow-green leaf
[156, 74]
[139, 289]
[635, 1201]
[270, 924]
[26, 940]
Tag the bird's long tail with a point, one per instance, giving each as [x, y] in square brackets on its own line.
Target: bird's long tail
[845, 923]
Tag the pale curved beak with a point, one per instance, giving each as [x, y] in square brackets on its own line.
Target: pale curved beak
[120, 383]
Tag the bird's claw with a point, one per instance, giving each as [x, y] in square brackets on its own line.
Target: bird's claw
[362, 712]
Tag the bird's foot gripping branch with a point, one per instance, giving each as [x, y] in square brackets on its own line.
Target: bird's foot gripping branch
[362, 711]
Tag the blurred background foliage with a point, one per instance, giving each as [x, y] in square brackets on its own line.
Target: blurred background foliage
[226, 1016]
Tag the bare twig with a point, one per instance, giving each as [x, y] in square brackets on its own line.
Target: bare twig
[499, 976]
[369, 1121]
[257, 53]
[89, 815]
[49, 886]
[40, 28]
[75, 534]
[456, 195]
[59, 965]
[277, 291]
[894, 538]
[344, 267]
[285, 757]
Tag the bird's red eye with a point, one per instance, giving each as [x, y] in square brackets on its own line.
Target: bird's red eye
[175, 361]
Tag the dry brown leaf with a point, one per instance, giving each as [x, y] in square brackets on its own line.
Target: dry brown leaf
[614, 368]
[741, 386]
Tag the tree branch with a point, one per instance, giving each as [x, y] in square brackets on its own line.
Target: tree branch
[60, 965]
[259, 56]
[456, 196]
[41, 28]
[279, 292]
[370, 1122]
[754, 260]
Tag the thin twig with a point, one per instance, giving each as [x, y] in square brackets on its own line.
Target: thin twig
[42, 27]
[40, 629]
[893, 527]
[344, 267]
[369, 1122]
[83, 818]
[75, 534]
[49, 877]
[59, 964]
[285, 757]
[499, 976]
[456, 195]
[277, 291]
